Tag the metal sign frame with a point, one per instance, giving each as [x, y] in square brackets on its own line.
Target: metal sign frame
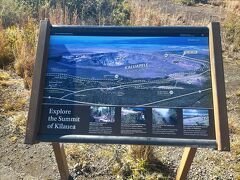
[218, 89]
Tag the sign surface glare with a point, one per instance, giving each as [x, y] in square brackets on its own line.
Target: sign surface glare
[129, 85]
[158, 71]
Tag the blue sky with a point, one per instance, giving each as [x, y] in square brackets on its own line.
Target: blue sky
[195, 112]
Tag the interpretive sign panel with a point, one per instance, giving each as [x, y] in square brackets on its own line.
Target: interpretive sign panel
[143, 82]
[132, 85]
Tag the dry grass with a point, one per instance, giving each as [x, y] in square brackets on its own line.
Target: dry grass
[231, 35]
[232, 6]
[23, 44]
[235, 149]
[148, 14]
[12, 97]
[193, 2]
[19, 123]
[4, 76]
[142, 152]
[13, 103]
[190, 2]
[76, 153]
[57, 16]
[18, 104]
[91, 160]
[238, 93]
[140, 162]
[122, 161]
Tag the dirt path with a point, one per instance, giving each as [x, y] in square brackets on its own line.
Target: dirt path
[188, 14]
[20, 161]
[199, 12]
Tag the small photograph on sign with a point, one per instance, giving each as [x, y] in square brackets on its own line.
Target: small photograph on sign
[164, 122]
[133, 121]
[101, 120]
[195, 117]
[164, 116]
[102, 114]
[133, 115]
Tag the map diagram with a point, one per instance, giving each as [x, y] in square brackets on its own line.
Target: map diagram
[128, 71]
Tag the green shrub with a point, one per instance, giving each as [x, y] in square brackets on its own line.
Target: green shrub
[10, 13]
[121, 14]
[97, 12]
[6, 55]
[23, 44]
[86, 12]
